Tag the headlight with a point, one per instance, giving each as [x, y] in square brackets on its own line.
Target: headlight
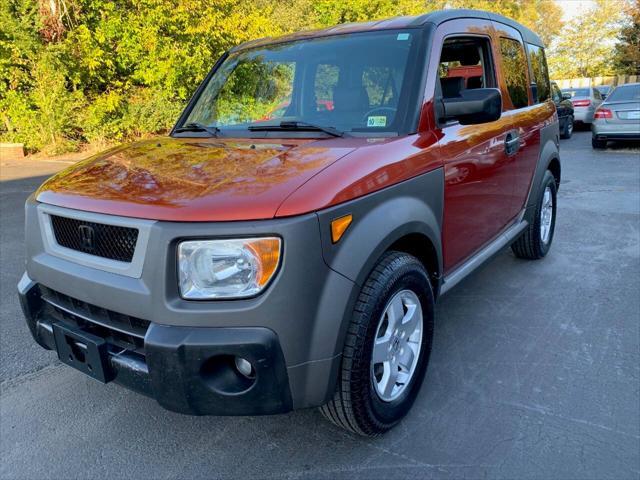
[211, 269]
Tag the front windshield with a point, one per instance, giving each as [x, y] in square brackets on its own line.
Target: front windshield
[365, 82]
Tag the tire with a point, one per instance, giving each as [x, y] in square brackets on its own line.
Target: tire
[357, 405]
[535, 241]
[598, 144]
[567, 129]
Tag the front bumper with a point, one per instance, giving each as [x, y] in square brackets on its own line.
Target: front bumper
[188, 370]
[306, 306]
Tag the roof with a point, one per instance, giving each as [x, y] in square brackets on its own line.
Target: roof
[434, 18]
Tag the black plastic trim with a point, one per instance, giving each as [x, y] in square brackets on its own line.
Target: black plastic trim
[186, 369]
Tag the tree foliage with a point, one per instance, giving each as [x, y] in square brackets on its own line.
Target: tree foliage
[75, 71]
[626, 58]
[585, 48]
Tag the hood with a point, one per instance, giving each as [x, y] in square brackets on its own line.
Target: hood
[191, 179]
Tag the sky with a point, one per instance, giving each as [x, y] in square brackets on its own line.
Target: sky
[571, 8]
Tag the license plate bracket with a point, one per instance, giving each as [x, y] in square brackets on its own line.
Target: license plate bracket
[83, 351]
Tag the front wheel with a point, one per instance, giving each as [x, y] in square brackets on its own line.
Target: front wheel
[387, 348]
[535, 241]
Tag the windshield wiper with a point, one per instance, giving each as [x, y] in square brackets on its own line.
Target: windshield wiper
[198, 127]
[300, 126]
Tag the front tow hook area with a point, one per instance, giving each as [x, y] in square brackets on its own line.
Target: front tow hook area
[83, 351]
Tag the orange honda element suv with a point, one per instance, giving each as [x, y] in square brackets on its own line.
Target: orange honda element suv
[284, 246]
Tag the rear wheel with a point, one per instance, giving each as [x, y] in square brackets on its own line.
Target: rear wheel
[567, 129]
[387, 348]
[535, 241]
[598, 144]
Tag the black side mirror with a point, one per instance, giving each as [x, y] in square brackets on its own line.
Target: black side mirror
[478, 105]
[566, 96]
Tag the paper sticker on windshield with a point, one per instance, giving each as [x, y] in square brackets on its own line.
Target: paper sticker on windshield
[377, 121]
[402, 36]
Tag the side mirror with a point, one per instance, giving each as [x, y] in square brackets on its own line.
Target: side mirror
[478, 105]
[566, 96]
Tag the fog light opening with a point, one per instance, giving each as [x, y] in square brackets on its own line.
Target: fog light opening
[245, 368]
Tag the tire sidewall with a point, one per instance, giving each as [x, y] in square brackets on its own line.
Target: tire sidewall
[548, 181]
[569, 127]
[409, 277]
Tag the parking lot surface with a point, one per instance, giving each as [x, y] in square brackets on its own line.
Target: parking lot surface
[535, 371]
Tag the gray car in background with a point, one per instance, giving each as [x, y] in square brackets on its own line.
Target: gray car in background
[618, 118]
[585, 100]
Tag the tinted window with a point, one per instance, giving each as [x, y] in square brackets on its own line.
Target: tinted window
[540, 84]
[577, 92]
[352, 82]
[596, 94]
[514, 66]
[625, 93]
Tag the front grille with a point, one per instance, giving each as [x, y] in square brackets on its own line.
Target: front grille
[117, 329]
[107, 241]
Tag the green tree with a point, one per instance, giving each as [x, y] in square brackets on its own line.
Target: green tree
[586, 46]
[74, 71]
[626, 58]
[542, 16]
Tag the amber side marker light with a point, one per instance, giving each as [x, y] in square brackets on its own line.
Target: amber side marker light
[339, 226]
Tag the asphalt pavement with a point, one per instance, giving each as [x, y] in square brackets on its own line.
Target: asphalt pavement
[535, 371]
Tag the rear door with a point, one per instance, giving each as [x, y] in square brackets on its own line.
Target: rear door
[526, 115]
[478, 187]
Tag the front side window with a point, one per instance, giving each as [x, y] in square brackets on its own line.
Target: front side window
[364, 82]
[514, 69]
[540, 85]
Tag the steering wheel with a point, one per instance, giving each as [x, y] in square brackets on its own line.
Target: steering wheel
[393, 111]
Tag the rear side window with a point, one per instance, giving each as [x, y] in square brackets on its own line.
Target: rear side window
[540, 86]
[382, 85]
[625, 93]
[514, 66]
[324, 83]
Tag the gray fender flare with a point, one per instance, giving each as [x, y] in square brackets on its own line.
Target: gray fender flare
[379, 220]
[548, 153]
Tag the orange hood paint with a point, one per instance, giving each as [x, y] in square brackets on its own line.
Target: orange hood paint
[192, 179]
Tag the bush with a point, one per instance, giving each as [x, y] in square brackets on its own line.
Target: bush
[44, 118]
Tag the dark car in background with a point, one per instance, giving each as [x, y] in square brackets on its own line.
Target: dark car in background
[604, 90]
[564, 108]
[585, 100]
[618, 118]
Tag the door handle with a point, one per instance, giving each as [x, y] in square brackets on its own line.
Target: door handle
[511, 143]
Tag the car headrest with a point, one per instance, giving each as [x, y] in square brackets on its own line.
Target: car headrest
[474, 82]
[451, 86]
[350, 99]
